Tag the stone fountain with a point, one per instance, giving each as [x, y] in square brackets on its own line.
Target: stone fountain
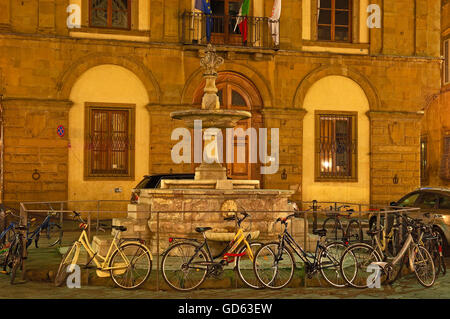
[205, 200]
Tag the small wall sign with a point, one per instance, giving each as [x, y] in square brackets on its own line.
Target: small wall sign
[60, 131]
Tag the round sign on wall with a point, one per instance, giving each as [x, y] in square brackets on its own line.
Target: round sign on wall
[61, 131]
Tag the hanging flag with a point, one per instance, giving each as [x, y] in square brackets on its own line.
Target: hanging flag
[205, 7]
[242, 20]
[274, 22]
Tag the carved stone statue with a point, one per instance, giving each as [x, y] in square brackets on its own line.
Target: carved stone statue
[210, 62]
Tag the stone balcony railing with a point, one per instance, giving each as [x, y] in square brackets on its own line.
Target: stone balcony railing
[224, 31]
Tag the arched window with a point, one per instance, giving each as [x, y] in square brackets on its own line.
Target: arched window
[334, 20]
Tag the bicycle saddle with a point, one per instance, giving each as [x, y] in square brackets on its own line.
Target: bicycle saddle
[119, 228]
[20, 227]
[202, 229]
[320, 232]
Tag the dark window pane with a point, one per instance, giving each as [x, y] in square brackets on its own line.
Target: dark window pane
[233, 8]
[342, 4]
[237, 99]
[220, 94]
[324, 33]
[99, 18]
[341, 34]
[324, 3]
[341, 17]
[218, 7]
[324, 17]
[120, 5]
[120, 19]
[100, 4]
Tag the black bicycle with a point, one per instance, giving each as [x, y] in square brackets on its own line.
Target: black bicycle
[188, 262]
[337, 230]
[274, 262]
[16, 253]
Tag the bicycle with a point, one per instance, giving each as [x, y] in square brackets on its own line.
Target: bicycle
[187, 263]
[128, 261]
[16, 253]
[355, 269]
[274, 262]
[351, 233]
[433, 242]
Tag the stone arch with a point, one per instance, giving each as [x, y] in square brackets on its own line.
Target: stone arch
[323, 71]
[237, 80]
[71, 74]
[251, 75]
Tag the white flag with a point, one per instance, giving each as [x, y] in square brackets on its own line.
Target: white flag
[274, 22]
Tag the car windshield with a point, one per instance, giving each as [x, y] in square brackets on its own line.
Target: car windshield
[409, 200]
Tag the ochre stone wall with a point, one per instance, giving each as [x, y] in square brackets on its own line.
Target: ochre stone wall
[31, 143]
[394, 150]
[40, 63]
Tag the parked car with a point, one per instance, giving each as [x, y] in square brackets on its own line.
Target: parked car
[435, 201]
[154, 181]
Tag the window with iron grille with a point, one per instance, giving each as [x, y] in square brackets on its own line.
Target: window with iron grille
[109, 139]
[423, 159]
[110, 14]
[336, 146]
[334, 20]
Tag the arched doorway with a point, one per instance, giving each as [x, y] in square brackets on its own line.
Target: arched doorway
[238, 93]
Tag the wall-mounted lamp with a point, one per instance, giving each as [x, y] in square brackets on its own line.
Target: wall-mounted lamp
[284, 174]
[395, 179]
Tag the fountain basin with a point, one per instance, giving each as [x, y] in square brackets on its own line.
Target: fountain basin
[211, 118]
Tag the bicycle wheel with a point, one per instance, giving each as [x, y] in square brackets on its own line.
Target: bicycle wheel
[130, 265]
[356, 266]
[424, 266]
[354, 233]
[17, 259]
[244, 266]
[432, 245]
[273, 267]
[329, 264]
[5, 245]
[440, 244]
[184, 266]
[51, 235]
[69, 258]
[334, 228]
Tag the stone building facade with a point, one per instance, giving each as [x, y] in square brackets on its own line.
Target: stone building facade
[435, 138]
[378, 79]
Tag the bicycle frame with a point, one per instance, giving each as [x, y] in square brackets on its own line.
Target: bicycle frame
[228, 251]
[102, 265]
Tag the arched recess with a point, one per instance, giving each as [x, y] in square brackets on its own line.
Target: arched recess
[327, 70]
[71, 75]
[237, 92]
[107, 86]
[252, 75]
[329, 100]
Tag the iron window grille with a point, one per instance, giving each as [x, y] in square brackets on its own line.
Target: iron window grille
[336, 146]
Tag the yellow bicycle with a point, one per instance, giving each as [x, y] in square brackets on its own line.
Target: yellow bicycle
[128, 261]
[188, 262]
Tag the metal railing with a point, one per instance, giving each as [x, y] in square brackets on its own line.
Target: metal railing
[224, 31]
[97, 210]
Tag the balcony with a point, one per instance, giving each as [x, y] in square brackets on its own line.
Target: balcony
[225, 32]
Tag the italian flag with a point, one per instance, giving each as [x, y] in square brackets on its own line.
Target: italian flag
[242, 21]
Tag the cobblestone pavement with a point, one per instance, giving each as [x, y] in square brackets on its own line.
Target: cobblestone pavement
[406, 287]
